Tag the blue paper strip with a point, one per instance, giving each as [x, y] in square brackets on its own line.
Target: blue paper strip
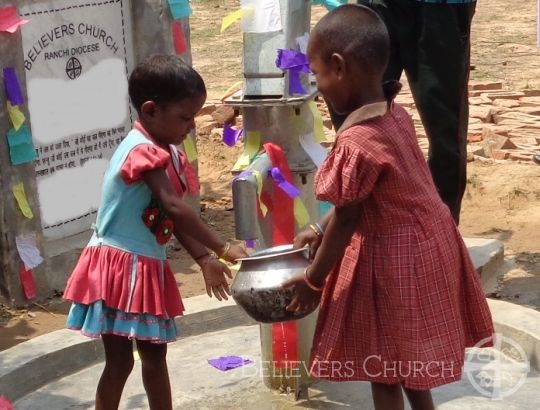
[330, 4]
[179, 8]
[13, 89]
[324, 207]
[21, 147]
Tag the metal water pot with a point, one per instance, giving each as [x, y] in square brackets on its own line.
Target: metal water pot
[257, 287]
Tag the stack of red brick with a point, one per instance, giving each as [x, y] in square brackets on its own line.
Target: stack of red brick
[502, 124]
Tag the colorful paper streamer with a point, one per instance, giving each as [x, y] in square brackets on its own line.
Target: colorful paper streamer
[231, 18]
[189, 148]
[225, 363]
[22, 201]
[315, 151]
[15, 115]
[179, 40]
[288, 59]
[301, 214]
[258, 178]
[318, 129]
[10, 20]
[5, 404]
[28, 283]
[296, 63]
[330, 4]
[302, 42]
[324, 208]
[179, 9]
[28, 251]
[284, 218]
[21, 147]
[13, 88]
[264, 16]
[231, 135]
[252, 146]
[283, 184]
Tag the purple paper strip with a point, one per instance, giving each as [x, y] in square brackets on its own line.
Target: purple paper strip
[243, 174]
[13, 89]
[225, 363]
[292, 60]
[230, 135]
[250, 244]
[285, 185]
[295, 84]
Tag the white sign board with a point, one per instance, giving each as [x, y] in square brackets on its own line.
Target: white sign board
[77, 55]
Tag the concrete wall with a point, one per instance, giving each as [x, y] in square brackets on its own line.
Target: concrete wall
[151, 32]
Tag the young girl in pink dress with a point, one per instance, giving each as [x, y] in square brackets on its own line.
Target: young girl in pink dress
[399, 297]
[122, 287]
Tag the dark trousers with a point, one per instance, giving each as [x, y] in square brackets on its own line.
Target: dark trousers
[431, 43]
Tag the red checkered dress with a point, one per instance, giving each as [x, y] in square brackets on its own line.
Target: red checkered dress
[405, 300]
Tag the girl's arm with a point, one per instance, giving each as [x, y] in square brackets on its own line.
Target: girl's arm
[214, 272]
[326, 219]
[195, 249]
[339, 225]
[183, 216]
[312, 236]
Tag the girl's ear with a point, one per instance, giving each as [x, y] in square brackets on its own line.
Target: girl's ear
[148, 110]
[339, 65]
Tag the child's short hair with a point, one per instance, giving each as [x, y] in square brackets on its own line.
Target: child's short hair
[355, 32]
[163, 79]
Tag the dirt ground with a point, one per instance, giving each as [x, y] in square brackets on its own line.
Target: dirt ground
[502, 199]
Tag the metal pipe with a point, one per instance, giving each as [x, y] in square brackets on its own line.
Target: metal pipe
[244, 188]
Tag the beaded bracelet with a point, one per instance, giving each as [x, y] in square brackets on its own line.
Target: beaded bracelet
[316, 229]
[201, 256]
[226, 249]
[311, 285]
[207, 261]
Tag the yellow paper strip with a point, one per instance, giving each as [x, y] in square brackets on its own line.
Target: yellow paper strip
[318, 131]
[230, 19]
[300, 212]
[259, 180]
[189, 148]
[232, 89]
[252, 146]
[20, 196]
[16, 116]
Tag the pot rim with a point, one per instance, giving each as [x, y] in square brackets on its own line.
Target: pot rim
[273, 251]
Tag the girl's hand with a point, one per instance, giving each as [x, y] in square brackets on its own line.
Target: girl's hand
[308, 237]
[305, 299]
[214, 277]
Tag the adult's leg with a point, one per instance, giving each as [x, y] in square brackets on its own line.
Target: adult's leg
[387, 396]
[155, 374]
[439, 81]
[420, 399]
[118, 366]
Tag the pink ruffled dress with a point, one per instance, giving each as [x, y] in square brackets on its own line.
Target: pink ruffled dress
[122, 283]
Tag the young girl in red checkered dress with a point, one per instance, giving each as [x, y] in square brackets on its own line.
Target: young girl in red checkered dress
[399, 297]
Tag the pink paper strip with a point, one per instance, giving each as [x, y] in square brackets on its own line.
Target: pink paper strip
[10, 20]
